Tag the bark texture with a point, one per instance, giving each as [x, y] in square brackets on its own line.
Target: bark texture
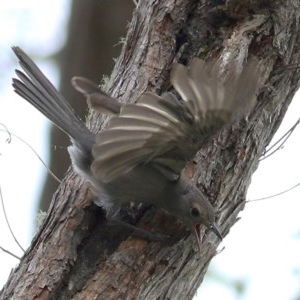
[76, 254]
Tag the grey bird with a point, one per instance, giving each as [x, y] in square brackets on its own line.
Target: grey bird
[140, 155]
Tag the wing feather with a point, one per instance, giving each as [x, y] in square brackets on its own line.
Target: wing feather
[167, 132]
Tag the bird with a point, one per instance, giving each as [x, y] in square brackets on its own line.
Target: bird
[140, 155]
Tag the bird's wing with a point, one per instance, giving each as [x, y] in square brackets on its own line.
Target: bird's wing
[96, 98]
[167, 132]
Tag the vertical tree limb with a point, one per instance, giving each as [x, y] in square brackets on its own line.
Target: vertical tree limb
[77, 255]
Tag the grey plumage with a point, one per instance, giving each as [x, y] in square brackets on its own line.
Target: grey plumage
[141, 153]
[96, 98]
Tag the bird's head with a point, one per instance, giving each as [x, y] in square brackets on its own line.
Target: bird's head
[195, 209]
[200, 213]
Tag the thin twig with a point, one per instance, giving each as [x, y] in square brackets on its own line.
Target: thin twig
[7, 222]
[10, 253]
[275, 195]
[31, 148]
[282, 141]
[8, 140]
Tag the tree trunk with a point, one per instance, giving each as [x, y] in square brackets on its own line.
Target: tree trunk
[76, 254]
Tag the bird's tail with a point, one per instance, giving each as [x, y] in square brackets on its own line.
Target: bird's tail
[34, 87]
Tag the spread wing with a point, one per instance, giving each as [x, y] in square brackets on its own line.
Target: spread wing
[167, 132]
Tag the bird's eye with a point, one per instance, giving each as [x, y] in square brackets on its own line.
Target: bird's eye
[195, 212]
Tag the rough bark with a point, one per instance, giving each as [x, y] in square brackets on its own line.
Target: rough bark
[76, 254]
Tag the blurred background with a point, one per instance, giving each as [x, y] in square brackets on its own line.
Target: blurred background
[259, 259]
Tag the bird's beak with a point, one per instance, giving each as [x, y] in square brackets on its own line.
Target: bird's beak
[216, 231]
[212, 227]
